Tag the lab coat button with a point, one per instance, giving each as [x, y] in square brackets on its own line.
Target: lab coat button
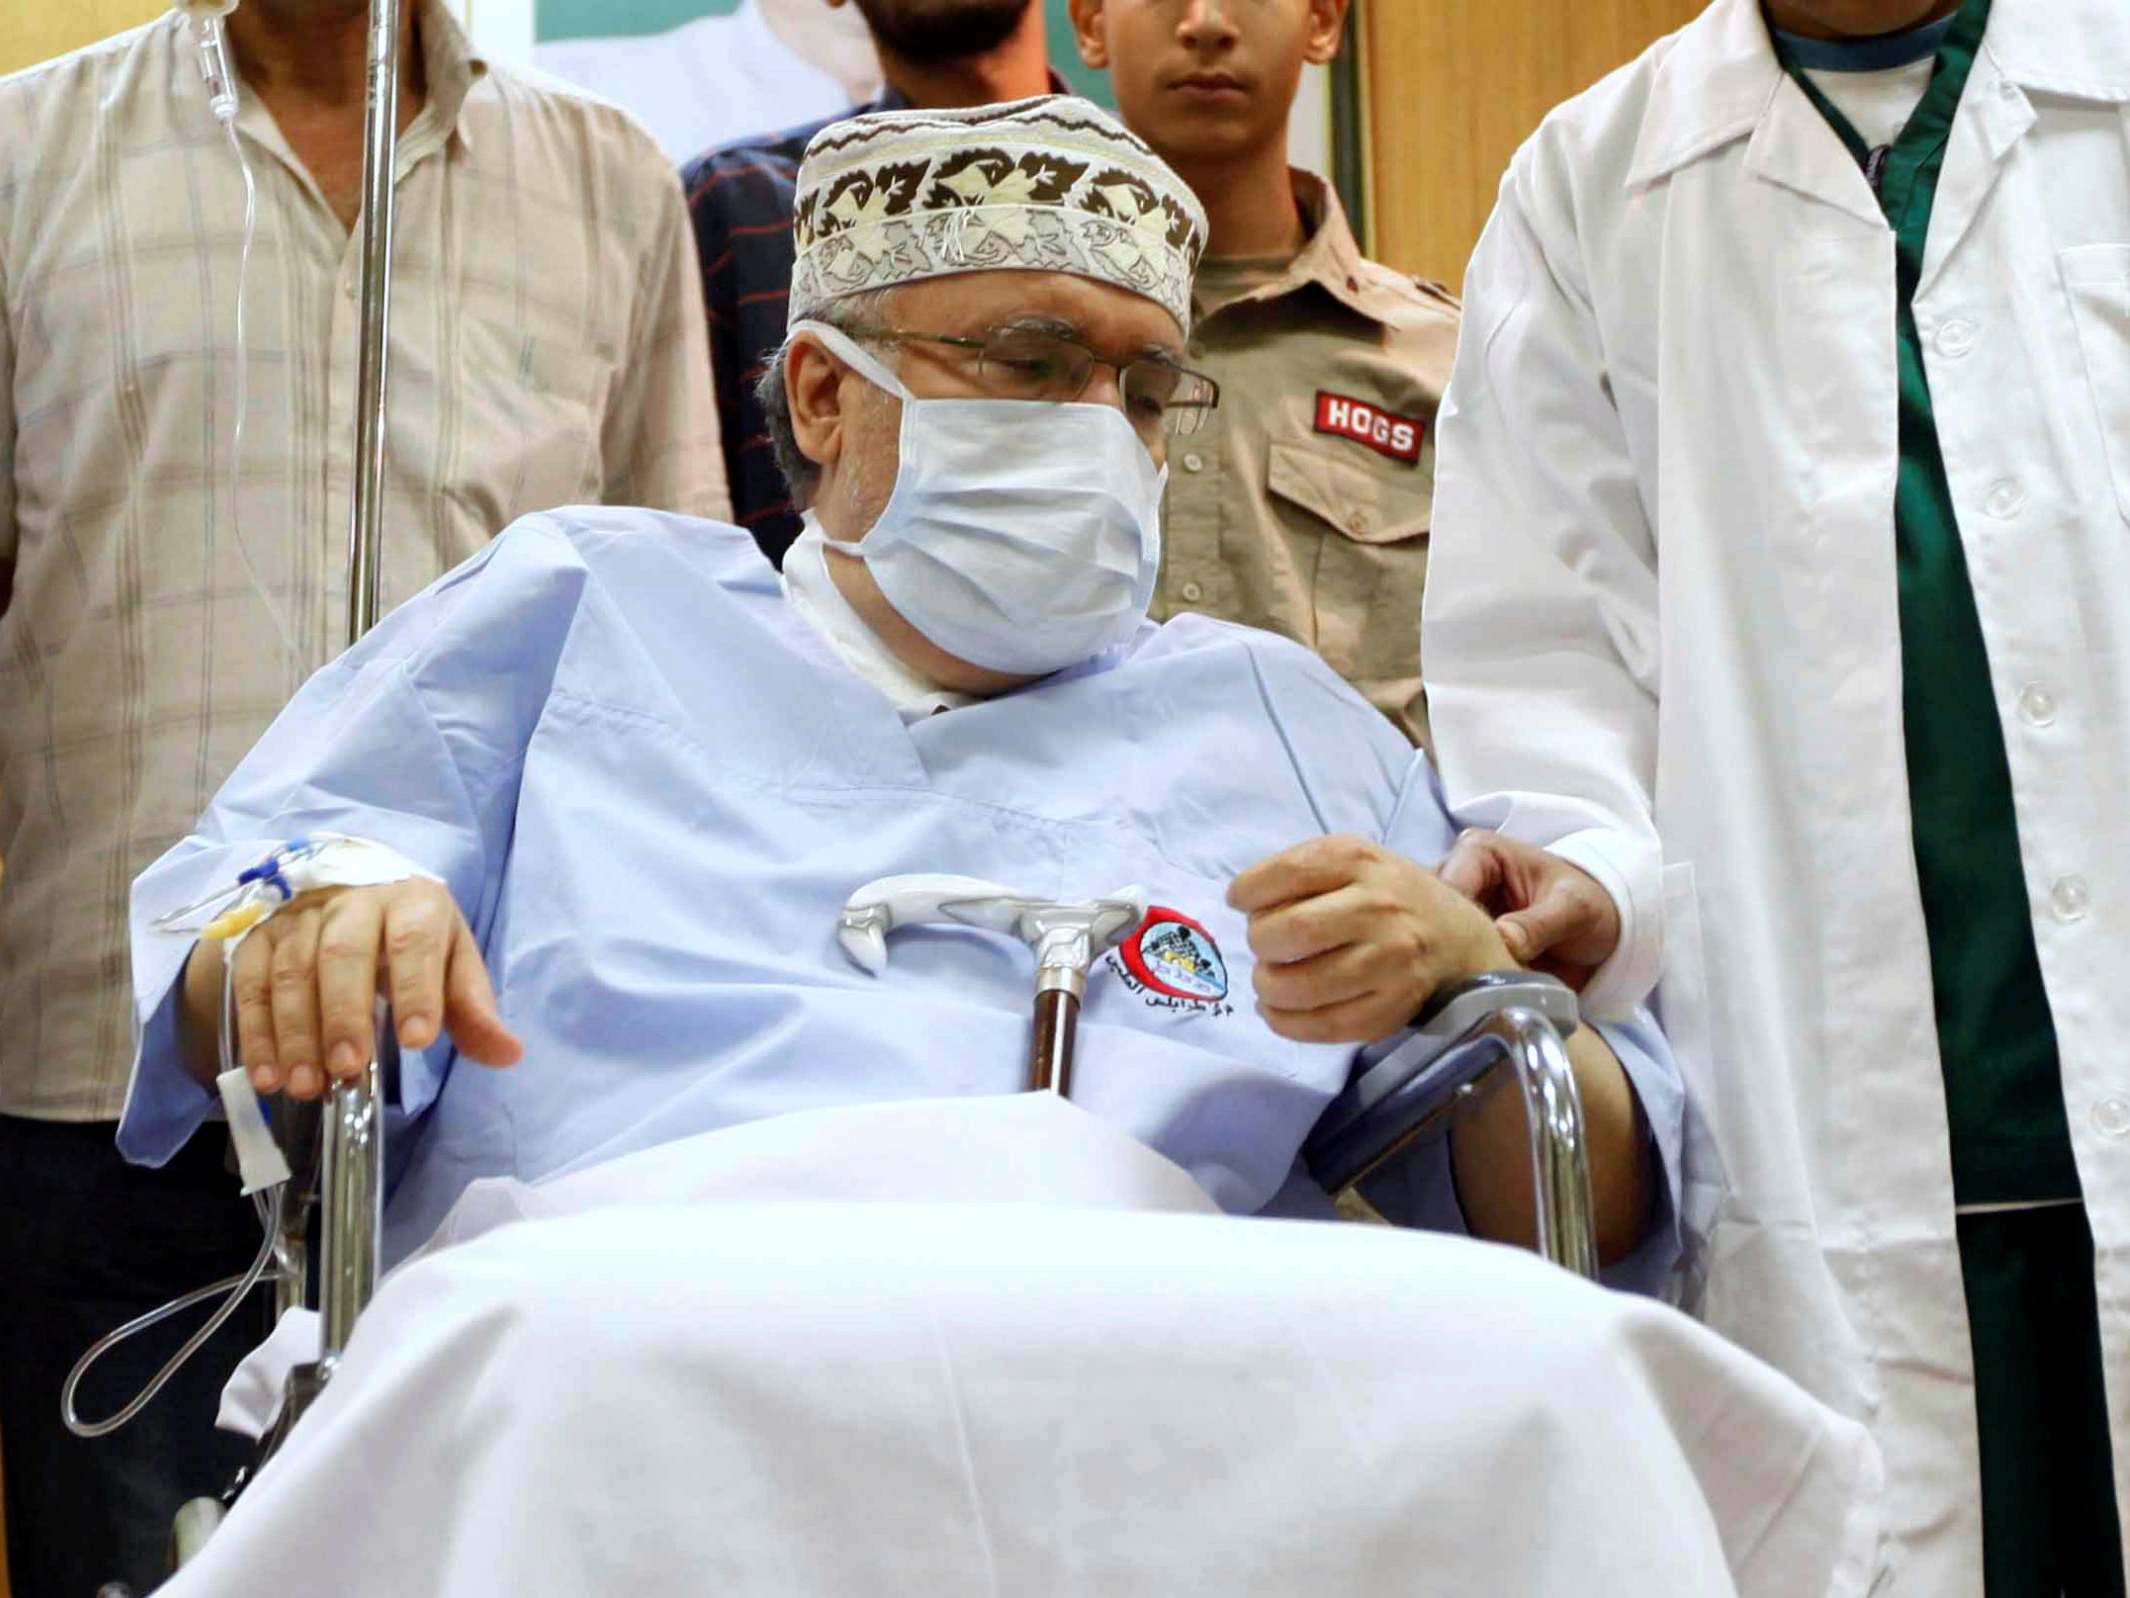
[1956, 338]
[1192, 593]
[2005, 498]
[1194, 462]
[2069, 898]
[2037, 706]
[2111, 1117]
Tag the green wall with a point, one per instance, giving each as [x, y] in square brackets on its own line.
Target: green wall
[572, 19]
[1066, 60]
[591, 18]
[576, 19]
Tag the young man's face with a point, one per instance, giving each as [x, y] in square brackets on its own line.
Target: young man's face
[1204, 80]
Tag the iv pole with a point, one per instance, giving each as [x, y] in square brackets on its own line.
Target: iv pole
[348, 1209]
[335, 1150]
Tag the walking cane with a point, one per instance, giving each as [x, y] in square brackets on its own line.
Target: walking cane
[1068, 936]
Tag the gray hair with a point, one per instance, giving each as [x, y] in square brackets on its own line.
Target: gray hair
[801, 473]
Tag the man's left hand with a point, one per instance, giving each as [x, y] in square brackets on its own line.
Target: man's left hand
[1552, 915]
[1352, 939]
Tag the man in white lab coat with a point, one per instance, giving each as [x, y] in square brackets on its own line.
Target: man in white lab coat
[1781, 584]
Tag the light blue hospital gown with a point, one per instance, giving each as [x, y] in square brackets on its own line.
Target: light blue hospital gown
[651, 786]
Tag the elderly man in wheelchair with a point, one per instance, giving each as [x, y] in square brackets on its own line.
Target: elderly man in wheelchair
[718, 918]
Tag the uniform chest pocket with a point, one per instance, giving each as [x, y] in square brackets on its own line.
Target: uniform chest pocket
[533, 414]
[2097, 278]
[1369, 529]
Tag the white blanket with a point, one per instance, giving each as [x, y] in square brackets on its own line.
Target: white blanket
[991, 1346]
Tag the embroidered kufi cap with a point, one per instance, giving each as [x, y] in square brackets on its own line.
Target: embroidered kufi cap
[1052, 184]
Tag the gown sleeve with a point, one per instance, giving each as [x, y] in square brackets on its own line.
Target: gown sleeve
[416, 738]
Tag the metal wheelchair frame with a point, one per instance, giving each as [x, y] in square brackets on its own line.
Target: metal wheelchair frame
[1414, 1090]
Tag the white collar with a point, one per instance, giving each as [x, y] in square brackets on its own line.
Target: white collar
[817, 599]
[1718, 79]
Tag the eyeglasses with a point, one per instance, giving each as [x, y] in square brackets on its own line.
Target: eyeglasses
[1028, 363]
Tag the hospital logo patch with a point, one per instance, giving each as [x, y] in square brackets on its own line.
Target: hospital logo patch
[1173, 963]
[1346, 417]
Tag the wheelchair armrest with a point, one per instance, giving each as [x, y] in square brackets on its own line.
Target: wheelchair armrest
[299, 1129]
[1406, 1087]
[1457, 1009]
[333, 1219]
[1406, 1090]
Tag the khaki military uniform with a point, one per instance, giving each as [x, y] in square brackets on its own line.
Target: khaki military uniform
[1303, 505]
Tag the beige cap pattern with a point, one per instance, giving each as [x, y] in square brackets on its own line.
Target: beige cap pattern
[1051, 184]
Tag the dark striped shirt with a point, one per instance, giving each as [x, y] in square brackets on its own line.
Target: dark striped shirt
[740, 197]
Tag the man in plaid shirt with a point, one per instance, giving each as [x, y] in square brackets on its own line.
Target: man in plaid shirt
[163, 590]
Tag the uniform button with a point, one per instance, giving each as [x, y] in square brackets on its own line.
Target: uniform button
[2111, 1117]
[2037, 706]
[1956, 338]
[1358, 521]
[1194, 462]
[2005, 498]
[2069, 898]
[1192, 593]
[347, 285]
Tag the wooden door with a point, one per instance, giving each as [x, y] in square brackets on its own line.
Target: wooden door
[33, 33]
[1454, 86]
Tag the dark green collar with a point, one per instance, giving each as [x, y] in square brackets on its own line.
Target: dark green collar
[1930, 123]
[1882, 54]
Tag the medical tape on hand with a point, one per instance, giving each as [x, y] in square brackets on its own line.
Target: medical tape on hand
[259, 1158]
[328, 860]
[324, 860]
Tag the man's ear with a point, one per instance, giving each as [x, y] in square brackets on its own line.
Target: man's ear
[1087, 33]
[1327, 25]
[813, 387]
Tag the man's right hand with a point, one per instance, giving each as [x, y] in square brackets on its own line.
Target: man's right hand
[306, 979]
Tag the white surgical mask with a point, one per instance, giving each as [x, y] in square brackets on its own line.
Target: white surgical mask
[1021, 536]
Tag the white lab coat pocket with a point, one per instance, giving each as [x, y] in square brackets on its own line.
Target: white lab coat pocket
[2097, 279]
